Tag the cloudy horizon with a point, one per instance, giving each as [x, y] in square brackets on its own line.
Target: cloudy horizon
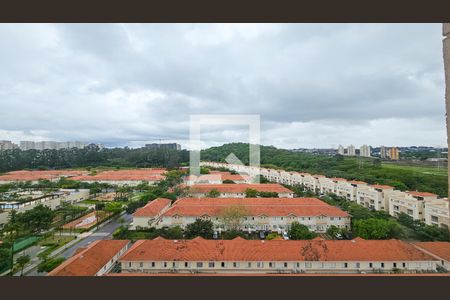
[313, 85]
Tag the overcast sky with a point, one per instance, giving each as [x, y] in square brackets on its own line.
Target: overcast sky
[313, 85]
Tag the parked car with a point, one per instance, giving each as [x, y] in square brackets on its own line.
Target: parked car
[262, 235]
[285, 235]
[215, 235]
[339, 236]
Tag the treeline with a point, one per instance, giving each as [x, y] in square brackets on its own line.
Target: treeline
[91, 156]
[365, 169]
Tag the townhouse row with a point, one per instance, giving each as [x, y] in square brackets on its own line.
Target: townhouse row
[423, 206]
[239, 256]
[245, 214]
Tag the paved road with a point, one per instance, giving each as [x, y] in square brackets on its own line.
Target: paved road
[103, 233]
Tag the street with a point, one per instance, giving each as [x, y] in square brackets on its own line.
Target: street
[103, 233]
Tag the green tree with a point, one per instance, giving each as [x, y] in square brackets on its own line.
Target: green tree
[251, 193]
[37, 219]
[214, 193]
[374, 229]
[300, 232]
[202, 228]
[22, 261]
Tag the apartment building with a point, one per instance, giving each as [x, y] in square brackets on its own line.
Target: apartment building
[351, 151]
[377, 197]
[149, 215]
[268, 214]
[364, 151]
[95, 260]
[341, 150]
[125, 177]
[411, 203]
[7, 145]
[237, 190]
[239, 256]
[348, 189]
[393, 153]
[436, 212]
[374, 196]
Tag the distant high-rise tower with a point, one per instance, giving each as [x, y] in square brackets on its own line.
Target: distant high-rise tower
[364, 151]
[351, 150]
[341, 150]
[383, 153]
[393, 153]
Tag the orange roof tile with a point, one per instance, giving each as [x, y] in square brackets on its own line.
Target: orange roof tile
[357, 182]
[199, 249]
[381, 186]
[440, 249]
[25, 175]
[421, 194]
[125, 175]
[152, 208]
[254, 207]
[238, 188]
[90, 260]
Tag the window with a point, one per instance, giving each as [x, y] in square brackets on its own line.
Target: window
[395, 265]
[174, 264]
[345, 265]
[285, 264]
[129, 264]
[249, 265]
[332, 218]
[370, 265]
[211, 264]
[382, 265]
[141, 264]
[235, 264]
[153, 264]
[199, 265]
[222, 264]
[358, 265]
[260, 264]
[270, 265]
[165, 264]
[186, 264]
[434, 219]
[404, 265]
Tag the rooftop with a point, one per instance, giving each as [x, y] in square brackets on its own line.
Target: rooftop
[421, 194]
[238, 188]
[24, 175]
[125, 175]
[90, 260]
[254, 207]
[440, 249]
[152, 208]
[238, 249]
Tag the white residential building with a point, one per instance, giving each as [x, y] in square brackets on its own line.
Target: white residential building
[364, 151]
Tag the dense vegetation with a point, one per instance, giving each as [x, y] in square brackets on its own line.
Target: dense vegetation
[365, 169]
[91, 156]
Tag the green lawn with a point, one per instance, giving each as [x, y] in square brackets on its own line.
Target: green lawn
[417, 169]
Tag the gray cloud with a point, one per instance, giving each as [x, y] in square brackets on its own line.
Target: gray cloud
[314, 85]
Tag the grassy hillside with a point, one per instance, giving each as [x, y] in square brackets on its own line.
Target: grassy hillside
[365, 169]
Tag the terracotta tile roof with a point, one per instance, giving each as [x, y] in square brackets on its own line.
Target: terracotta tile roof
[199, 249]
[220, 172]
[439, 249]
[357, 182]
[125, 175]
[90, 260]
[235, 177]
[24, 175]
[197, 207]
[338, 179]
[381, 186]
[238, 188]
[421, 194]
[152, 208]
